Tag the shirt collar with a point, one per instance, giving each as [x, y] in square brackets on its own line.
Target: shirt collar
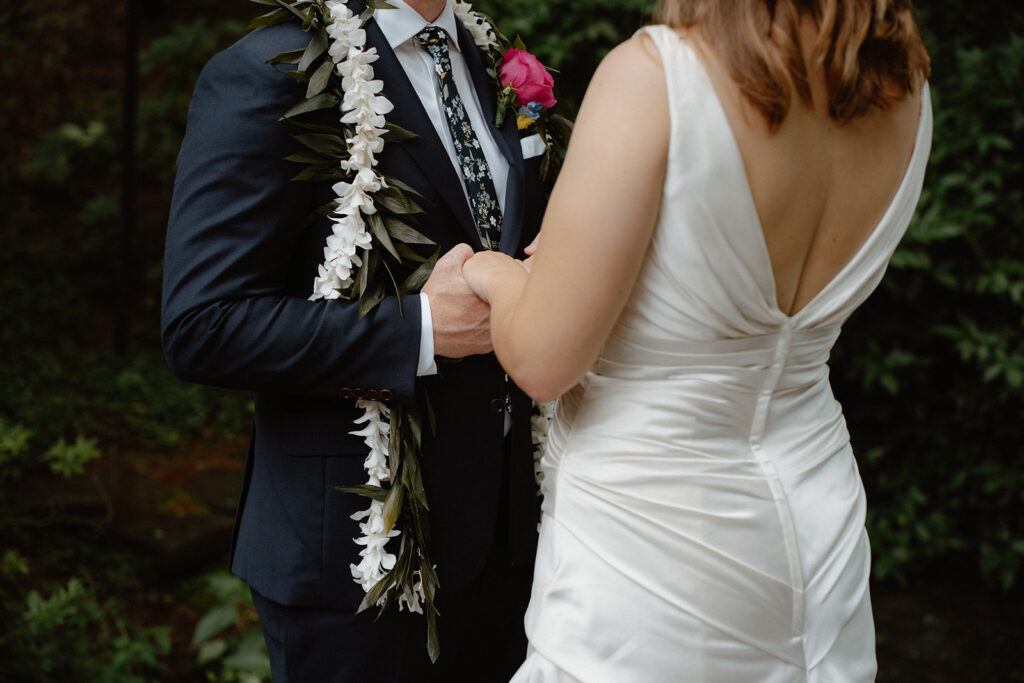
[403, 23]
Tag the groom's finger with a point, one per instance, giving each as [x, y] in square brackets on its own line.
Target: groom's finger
[451, 262]
[458, 255]
[532, 249]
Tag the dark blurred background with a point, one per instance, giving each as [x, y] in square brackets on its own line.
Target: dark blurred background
[118, 482]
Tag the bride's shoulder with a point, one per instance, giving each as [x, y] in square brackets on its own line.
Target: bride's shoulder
[634, 64]
[628, 86]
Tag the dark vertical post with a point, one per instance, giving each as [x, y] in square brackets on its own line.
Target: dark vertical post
[127, 284]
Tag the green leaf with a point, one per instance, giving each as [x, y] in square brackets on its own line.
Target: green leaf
[396, 133]
[375, 593]
[499, 118]
[329, 145]
[366, 490]
[408, 254]
[393, 201]
[413, 477]
[273, 18]
[307, 23]
[419, 277]
[395, 182]
[394, 438]
[70, 459]
[289, 57]
[316, 128]
[210, 651]
[324, 100]
[365, 275]
[393, 505]
[369, 299]
[308, 156]
[433, 641]
[317, 46]
[214, 621]
[300, 77]
[318, 81]
[519, 44]
[378, 230]
[416, 429]
[321, 172]
[394, 284]
[291, 8]
[401, 232]
[430, 583]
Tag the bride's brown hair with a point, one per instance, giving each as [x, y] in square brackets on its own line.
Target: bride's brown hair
[870, 50]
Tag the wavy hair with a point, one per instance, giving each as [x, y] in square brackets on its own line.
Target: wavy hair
[870, 51]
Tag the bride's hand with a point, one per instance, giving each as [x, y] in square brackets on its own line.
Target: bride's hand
[485, 268]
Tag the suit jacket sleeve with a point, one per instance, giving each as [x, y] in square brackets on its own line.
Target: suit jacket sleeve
[231, 316]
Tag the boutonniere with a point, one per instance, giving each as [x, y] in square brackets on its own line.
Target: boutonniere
[527, 87]
[526, 90]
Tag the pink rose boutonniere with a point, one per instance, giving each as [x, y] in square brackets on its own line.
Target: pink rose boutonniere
[525, 85]
[529, 82]
[525, 89]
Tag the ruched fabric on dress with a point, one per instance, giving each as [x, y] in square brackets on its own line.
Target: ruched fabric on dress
[703, 512]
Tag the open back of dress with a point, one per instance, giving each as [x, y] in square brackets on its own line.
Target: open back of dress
[703, 512]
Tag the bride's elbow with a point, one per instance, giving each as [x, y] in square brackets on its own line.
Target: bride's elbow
[542, 394]
[542, 367]
[543, 383]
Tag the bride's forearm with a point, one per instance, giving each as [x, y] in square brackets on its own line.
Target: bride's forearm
[501, 281]
[507, 335]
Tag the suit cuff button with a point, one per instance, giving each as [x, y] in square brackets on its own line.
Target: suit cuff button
[345, 392]
[497, 405]
[360, 393]
[387, 395]
[372, 394]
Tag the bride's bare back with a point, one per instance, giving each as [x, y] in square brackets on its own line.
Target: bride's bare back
[820, 188]
[820, 179]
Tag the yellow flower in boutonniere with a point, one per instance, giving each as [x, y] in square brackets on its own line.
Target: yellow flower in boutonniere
[527, 115]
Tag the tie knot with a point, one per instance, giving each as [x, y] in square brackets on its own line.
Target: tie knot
[434, 39]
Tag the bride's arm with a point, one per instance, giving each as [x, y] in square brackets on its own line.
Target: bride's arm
[549, 325]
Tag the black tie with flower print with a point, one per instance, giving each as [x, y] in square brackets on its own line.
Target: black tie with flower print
[472, 164]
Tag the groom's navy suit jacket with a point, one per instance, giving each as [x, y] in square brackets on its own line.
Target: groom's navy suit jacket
[241, 255]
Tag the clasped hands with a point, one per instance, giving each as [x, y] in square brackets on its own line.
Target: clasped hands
[458, 290]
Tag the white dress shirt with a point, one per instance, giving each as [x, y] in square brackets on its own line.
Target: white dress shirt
[400, 26]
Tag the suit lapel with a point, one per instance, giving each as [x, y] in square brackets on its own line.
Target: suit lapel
[507, 140]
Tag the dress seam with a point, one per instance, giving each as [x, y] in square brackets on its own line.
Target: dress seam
[774, 482]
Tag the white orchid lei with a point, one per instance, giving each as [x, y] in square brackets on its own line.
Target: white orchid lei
[368, 250]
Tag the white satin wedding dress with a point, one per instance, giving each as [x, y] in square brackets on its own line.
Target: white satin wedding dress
[703, 512]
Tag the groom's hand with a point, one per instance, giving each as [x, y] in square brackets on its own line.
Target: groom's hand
[462, 321]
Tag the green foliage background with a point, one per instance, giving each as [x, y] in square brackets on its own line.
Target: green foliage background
[930, 371]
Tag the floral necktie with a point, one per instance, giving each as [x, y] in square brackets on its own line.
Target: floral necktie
[472, 164]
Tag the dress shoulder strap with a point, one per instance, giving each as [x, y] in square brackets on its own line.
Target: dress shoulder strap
[684, 73]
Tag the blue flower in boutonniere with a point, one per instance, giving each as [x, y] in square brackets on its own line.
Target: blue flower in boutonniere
[528, 115]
